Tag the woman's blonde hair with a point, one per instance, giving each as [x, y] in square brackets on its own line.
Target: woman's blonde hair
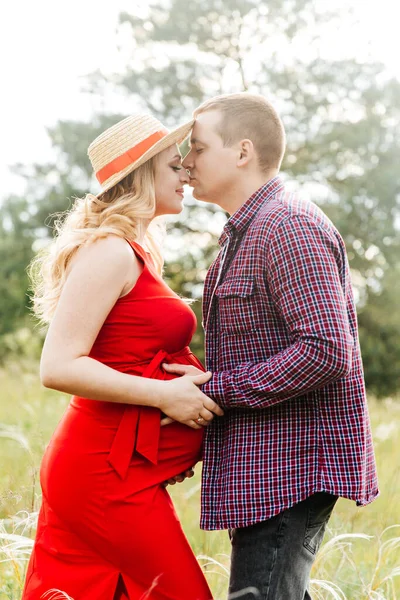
[124, 210]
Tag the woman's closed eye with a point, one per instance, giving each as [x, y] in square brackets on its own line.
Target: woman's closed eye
[176, 168]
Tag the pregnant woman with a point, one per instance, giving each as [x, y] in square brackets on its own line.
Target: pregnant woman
[107, 529]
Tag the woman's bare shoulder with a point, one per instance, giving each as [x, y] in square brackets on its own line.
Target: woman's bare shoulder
[109, 250]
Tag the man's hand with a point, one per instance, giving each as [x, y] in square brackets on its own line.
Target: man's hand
[181, 399]
[182, 369]
[179, 478]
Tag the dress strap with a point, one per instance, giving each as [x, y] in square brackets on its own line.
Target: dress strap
[139, 250]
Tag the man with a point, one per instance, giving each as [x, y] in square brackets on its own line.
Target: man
[282, 344]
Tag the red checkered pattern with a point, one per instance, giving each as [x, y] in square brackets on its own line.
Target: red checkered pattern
[282, 343]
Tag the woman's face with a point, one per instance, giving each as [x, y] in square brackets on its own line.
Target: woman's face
[170, 177]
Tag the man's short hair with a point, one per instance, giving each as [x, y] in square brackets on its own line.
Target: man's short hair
[250, 116]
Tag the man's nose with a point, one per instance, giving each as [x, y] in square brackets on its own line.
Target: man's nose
[187, 162]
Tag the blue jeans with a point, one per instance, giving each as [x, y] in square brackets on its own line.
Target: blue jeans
[272, 560]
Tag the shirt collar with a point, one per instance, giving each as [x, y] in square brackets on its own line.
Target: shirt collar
[240, 219]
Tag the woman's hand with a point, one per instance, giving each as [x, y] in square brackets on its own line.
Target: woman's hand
[182, 400]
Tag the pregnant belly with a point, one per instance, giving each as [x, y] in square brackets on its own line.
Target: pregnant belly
[76, 461]
[180, 446]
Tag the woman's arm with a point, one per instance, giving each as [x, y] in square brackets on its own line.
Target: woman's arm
[99, 275]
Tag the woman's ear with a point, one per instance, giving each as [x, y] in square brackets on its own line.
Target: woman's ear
[246, 152]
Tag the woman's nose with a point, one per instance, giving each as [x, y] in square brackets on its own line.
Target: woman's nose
[187, 162]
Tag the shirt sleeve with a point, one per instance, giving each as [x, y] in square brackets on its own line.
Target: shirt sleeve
[305, 266]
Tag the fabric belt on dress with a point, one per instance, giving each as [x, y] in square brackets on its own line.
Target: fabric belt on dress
[139, 428]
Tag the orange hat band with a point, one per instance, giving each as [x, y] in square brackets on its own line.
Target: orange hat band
[130, 156]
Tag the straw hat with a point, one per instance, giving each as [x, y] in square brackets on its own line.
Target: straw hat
[125, 146]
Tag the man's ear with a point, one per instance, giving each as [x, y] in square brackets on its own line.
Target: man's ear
[246, 152]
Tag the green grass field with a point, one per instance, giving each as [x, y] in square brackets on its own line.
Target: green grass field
[359, 560]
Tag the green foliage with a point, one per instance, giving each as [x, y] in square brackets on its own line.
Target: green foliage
[341, 119]
[380, 334]
[15, 253]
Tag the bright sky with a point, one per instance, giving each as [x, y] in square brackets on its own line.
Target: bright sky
[48, 46]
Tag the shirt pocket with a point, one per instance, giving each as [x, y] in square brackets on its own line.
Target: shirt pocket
[237, 305]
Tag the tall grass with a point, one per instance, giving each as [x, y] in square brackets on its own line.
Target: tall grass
[360, 559]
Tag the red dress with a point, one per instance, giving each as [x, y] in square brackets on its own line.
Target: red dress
[107, 527]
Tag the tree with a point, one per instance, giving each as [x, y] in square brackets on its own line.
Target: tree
[340, 117]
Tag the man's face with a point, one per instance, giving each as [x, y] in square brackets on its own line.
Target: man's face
[212, 166]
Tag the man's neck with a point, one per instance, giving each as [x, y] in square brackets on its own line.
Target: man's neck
[244, 190]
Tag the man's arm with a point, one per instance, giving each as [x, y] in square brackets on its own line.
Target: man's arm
[302, 263]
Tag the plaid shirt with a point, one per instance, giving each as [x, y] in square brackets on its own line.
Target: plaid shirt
[282, 343]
